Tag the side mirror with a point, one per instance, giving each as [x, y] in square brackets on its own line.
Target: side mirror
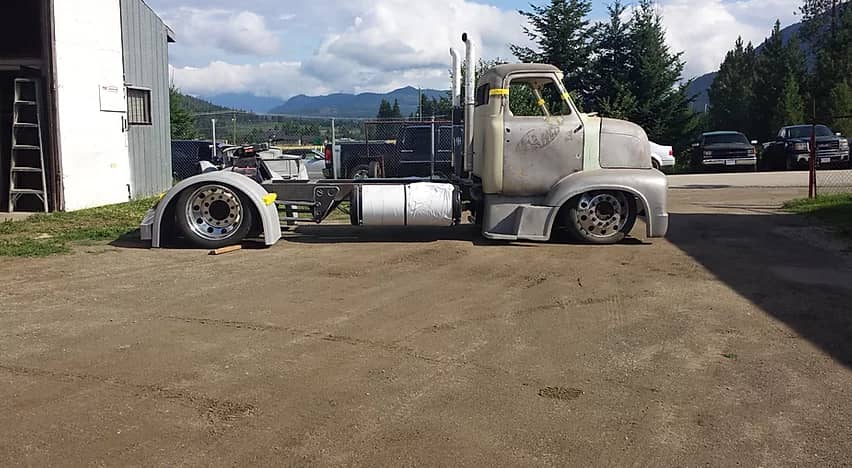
[839, 134]
[753, 142]
[696, 145]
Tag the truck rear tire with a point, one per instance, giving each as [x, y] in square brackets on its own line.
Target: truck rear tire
[375, 170]
[600, 217]
[361, 171]
[212, 216]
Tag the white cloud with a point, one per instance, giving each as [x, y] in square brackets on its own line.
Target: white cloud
[706, 29]
[320, 46]
[236, 32]
[384, 45]
[281, 79]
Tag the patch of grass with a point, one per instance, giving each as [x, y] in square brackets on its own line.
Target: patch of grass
[835, 210]
[49, 234]
[340, 214]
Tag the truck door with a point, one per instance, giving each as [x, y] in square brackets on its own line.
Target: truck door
[415, 151]
[543, 135]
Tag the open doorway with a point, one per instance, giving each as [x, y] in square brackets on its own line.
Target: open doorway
[25, 53]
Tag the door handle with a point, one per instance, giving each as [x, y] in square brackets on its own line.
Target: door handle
[579, 127]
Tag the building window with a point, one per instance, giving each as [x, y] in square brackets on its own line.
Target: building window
[138, 106]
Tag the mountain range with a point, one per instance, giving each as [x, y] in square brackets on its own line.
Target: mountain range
[341, 105]
[366, 105]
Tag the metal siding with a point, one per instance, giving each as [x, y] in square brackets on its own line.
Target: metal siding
[146, 66]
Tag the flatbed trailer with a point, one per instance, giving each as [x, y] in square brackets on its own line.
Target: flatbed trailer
[524, 176]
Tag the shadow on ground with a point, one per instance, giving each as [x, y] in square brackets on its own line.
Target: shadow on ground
[345, 234]
[131, 240]
[786, 266]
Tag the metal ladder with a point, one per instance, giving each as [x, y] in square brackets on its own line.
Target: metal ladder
[27, 171]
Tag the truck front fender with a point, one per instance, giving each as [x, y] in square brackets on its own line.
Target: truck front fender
[161, 216]
[648, 185]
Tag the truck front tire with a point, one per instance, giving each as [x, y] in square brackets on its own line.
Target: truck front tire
[604, 217]
[213, 216]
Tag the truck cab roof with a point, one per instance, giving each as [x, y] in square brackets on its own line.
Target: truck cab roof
[497, 75]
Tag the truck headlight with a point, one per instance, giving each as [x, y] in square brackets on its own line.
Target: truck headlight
[844, 144]
[752, 151]
[800, 146]
[708, 154]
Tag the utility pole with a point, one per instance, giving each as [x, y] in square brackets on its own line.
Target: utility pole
[419, 103]
[213, 146]
[234, 119]
[812, 188]
[335, 158]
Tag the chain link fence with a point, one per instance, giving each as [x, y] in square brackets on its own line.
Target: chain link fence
[833, 163]
[833, 174]
[188, 154]
[405, 148]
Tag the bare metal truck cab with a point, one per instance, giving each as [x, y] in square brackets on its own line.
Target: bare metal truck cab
[534, 167]
[556, 167]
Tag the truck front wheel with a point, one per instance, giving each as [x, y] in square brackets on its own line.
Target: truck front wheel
[599, 217]
[212, 216]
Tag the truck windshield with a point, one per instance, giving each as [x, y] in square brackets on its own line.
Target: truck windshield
[804, 131]
[536, 98]
[725, 138]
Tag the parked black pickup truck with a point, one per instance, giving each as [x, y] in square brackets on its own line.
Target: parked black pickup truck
[791, 149]
[724, 150]
[410, 155]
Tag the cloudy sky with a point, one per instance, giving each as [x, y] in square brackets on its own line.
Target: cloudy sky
[287, 47]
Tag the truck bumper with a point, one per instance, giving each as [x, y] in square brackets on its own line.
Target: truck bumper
[823, 157]
[730, 162]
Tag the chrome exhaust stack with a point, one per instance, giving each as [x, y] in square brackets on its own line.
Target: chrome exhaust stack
[457, 78]
[469, 100]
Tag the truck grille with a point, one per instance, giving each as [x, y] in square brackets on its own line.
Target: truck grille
[728, 154]
[829, 149]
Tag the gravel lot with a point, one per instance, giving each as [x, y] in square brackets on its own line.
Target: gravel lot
[728, 343]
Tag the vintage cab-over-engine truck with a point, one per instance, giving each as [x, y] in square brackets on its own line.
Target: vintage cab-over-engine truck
[533, 167]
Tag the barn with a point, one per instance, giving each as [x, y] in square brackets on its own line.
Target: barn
[84, 104]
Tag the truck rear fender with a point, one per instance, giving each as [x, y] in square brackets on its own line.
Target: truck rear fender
[264, 203]
[649, 186]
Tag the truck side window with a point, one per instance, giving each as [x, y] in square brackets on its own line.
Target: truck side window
[482, 95]
[536, 97]
[417, 139]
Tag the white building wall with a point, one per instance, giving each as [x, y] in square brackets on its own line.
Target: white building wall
[91, 103]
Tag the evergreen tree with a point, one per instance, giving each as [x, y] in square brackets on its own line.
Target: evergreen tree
[561, 32]
[610, 87]
[182, 123]
[385, 110]
[840, 107]
[732, 93]
[395, 112]
[654, 74]
[791, 106]
[777, 66]
[828, 26]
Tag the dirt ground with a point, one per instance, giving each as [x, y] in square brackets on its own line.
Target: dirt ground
[729, 343]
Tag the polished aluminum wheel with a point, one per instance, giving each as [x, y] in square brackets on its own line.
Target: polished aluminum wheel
[214, 212]
[602, 215]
